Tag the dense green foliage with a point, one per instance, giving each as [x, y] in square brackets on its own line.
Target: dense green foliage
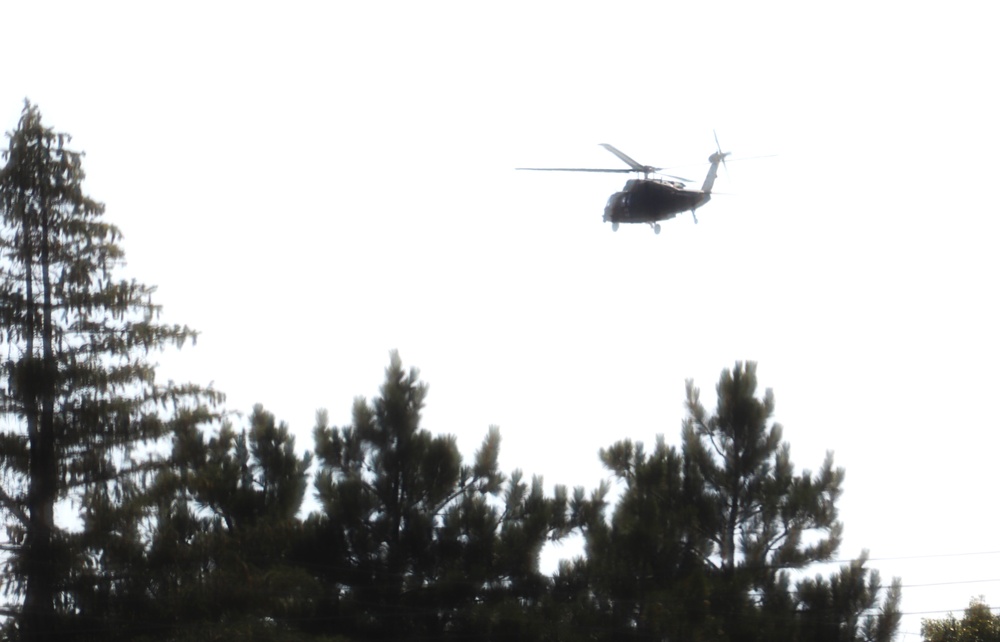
[703, 539]
[81, 407]
[978, 624]
[413, 542]
[191, 524]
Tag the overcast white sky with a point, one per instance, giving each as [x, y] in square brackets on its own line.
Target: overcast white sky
[314, 184]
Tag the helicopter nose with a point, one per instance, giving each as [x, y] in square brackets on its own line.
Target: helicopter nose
[609, 209]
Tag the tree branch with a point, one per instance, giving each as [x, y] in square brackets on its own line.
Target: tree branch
[10, 504]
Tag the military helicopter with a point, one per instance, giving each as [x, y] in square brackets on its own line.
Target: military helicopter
[650, 200]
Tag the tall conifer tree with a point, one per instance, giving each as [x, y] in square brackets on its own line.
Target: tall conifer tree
[762, 518]
[761, 513]
[701, 539]
[412, 542]
[78, 393]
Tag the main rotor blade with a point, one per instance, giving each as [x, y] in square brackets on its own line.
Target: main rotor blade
[728, 160]
[628, 160]
[608, 171]
[575, 169]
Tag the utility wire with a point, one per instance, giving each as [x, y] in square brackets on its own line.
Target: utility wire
[949, 583]
[911, 557]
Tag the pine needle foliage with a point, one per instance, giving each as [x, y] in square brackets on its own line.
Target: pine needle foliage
[81, 405]
[416, 543]
[703, 538]
[762, 514]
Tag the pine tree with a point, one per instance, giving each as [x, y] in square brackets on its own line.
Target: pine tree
[764, 519]
[226, 528]
[647, 566]
[851, 605]
[978, 624]
[701, 541]
[383, 482]
[762, 513]
[80, 400]
[410, 541]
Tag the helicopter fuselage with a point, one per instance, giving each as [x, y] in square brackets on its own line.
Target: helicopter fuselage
[650, 200]
[647, 200]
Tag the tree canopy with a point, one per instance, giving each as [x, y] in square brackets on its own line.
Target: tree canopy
[978, 624]
[703, 538]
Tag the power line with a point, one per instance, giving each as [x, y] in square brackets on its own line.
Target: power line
[939, 612]
[912, 557]
[949, 583]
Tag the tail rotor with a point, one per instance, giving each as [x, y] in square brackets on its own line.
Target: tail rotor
[718, 157]
[719, 154]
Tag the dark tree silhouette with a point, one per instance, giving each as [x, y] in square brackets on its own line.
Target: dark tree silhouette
[80, 400]
[410, 541]
[701, 541]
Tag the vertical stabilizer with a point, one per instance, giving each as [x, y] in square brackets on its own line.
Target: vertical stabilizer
[713, 171]
[715, 159]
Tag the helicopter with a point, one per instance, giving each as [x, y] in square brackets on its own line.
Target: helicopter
[651, 200]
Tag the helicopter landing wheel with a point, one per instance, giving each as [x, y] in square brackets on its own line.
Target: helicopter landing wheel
[614, 227]
[656, 228]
